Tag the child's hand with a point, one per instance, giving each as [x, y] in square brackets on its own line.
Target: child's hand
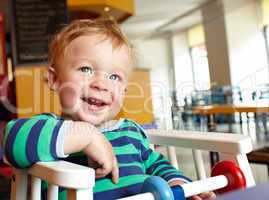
[204, 196]
[102, 157]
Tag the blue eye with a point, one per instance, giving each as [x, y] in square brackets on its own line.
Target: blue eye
[114, 77]
[86, 69]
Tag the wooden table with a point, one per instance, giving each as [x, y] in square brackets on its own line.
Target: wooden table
[258, 107]
[231, 109]
[211, 110]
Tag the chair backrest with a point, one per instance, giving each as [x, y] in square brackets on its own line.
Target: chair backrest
[79, 180]
[262, 92]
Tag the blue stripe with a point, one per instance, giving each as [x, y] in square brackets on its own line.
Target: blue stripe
[130, 128]
[119, 193]
[126, 171]
[31, 145]
[168, 167]
[122, 141]
[139, 128]
[169, 174]
[54, 138]
[161, 160]
[146, 154]
[130, 170]
[128, 158]
[177, 176]
[10, 141]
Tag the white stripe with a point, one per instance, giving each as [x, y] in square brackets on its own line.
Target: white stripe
[60, 139]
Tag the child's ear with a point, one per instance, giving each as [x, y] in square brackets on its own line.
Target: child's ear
[52, 79]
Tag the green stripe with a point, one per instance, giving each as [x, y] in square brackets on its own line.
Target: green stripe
[127, 124]
[106, 184]
[19, 146]
[62, 195]
[152, 159]
[134, 164]
[44, 117]
[137, 164]
[115, 135]
[171, 173]
[131, 134]
[44, 140]
[126, 149]
[7, 131]
[167, 171]
[159, 168]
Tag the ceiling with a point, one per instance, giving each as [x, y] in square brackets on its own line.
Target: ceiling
[157, 16]
[149, 14]
[154, 16]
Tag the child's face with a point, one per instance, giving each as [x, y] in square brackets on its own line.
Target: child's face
[91, 79]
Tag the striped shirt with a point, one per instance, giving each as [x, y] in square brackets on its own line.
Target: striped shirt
[40, 138]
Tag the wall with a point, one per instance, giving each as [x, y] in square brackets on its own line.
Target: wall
[182, 65]
[155, 54]
[138, 102]
[246, 44]
[32, 93]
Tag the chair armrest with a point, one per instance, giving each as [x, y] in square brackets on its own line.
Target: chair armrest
[64, 174]
[211, 141]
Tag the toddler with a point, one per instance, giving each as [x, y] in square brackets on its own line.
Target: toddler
[89, 66]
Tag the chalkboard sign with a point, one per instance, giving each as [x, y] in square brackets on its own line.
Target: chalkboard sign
[34, 22]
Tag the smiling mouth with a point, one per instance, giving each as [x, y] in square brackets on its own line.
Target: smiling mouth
[94, 102]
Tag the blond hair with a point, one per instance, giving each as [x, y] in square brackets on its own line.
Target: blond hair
[109, 29]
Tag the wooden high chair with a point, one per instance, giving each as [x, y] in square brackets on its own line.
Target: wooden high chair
[79, 180]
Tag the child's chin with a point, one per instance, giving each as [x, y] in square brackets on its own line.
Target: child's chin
[94, 120]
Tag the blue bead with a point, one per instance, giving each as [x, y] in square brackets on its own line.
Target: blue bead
[158, 187]
[178, 192]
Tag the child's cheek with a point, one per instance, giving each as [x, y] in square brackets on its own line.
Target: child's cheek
[69, 96]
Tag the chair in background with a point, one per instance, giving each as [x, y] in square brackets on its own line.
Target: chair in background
[261, 155]
[79, 180]
[196, 98]
[220, 95]
[226, 94]
[260, 95]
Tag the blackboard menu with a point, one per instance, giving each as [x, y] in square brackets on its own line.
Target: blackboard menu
[34, 23]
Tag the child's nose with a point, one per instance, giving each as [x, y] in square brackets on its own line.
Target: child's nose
[99, 84]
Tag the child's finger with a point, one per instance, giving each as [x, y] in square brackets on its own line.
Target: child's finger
[101, 172]
[208, 195]
[103, 169]
[115, 172]
[195, 198]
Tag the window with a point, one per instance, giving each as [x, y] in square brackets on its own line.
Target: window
[200, 67]
[266, 36]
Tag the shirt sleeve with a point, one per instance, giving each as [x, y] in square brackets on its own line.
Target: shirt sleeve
[156, 164]
[29, 140]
